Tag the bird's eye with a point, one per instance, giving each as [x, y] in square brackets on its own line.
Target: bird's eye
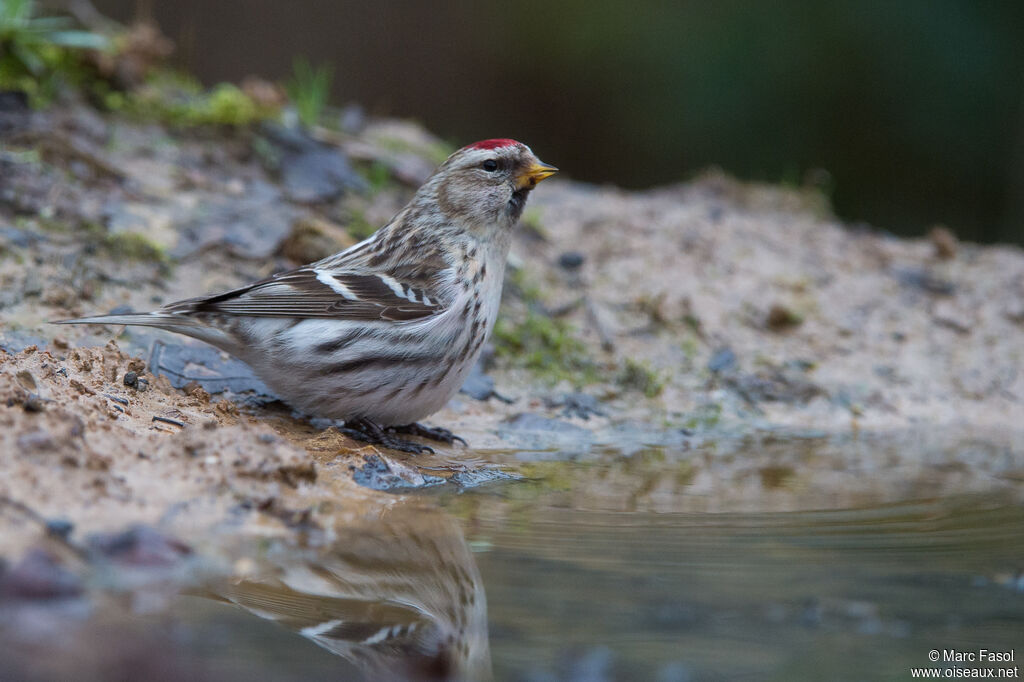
[490, 165]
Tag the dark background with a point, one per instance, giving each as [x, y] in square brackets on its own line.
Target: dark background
[914, 107]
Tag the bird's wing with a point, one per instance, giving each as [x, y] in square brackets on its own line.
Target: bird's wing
[319, 292]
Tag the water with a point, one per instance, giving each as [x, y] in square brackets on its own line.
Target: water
[595, 568]
[846, 594]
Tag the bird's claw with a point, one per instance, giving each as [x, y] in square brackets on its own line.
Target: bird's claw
[440, 434]
[367, 432]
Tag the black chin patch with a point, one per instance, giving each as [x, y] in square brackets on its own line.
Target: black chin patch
[517, 202]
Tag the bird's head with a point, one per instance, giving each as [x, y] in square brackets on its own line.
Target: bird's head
[484, 185]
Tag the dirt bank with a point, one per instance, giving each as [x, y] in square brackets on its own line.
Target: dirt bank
[668, 319]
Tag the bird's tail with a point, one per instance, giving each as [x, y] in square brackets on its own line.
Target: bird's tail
[144, 319]
[180, 324]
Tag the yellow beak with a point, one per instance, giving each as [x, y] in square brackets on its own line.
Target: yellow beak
[534, 174]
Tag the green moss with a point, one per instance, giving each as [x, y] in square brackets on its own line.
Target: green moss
[359, 227]
[545, 346]
[378, 177]
[229, 105]
[639, 376]
[178, 100]
[689, 347]
[134, 246]
[704, 417]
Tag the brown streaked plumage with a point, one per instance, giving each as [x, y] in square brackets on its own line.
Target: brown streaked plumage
[384, 333]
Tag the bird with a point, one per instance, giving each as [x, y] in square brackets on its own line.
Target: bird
[396, 592]
[384, 333]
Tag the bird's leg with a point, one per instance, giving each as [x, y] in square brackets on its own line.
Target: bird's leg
[368, 432]
[437, 433]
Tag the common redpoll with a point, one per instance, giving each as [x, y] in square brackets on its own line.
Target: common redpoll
[382, 334]
[399, 596]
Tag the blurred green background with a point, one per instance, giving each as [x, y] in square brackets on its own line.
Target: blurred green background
[914, 107]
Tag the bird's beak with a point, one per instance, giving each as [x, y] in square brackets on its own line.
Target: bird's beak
[533, 174]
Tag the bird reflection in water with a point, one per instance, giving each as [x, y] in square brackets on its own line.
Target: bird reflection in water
[398, 595]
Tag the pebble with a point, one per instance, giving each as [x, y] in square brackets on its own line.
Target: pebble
[721, 360]
[571, 260]
[139, 546]
[577, 405]
[39, 575]
[944, 241]
[920, 278]
[378, 473]
[60, 528]
[480, 386]
[782, 317]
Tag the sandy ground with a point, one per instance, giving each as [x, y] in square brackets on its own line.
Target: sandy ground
[707, 312]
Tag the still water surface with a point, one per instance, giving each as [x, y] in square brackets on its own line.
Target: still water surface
[514, 577]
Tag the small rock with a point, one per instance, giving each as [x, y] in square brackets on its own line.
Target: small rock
[774, 385]
[131, 379]
[311, 172]
[39, 575]
[19, 238]
[59, 528]
[249, 226]
[919, 278]
[185, 363]
[140, 546]
[380, 473]
[577, 405]
[26, 380]
[80, 387]
[35, 441]
[480, 386]
[571, 260]
[782, 317]
[15, 112]
[15, 341]
[226, 407]
[722, 360]
[944, 241]
[196, 391]
[318, 176]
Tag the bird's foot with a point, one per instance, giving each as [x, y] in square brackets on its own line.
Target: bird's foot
[368, 432]
[437, 433]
